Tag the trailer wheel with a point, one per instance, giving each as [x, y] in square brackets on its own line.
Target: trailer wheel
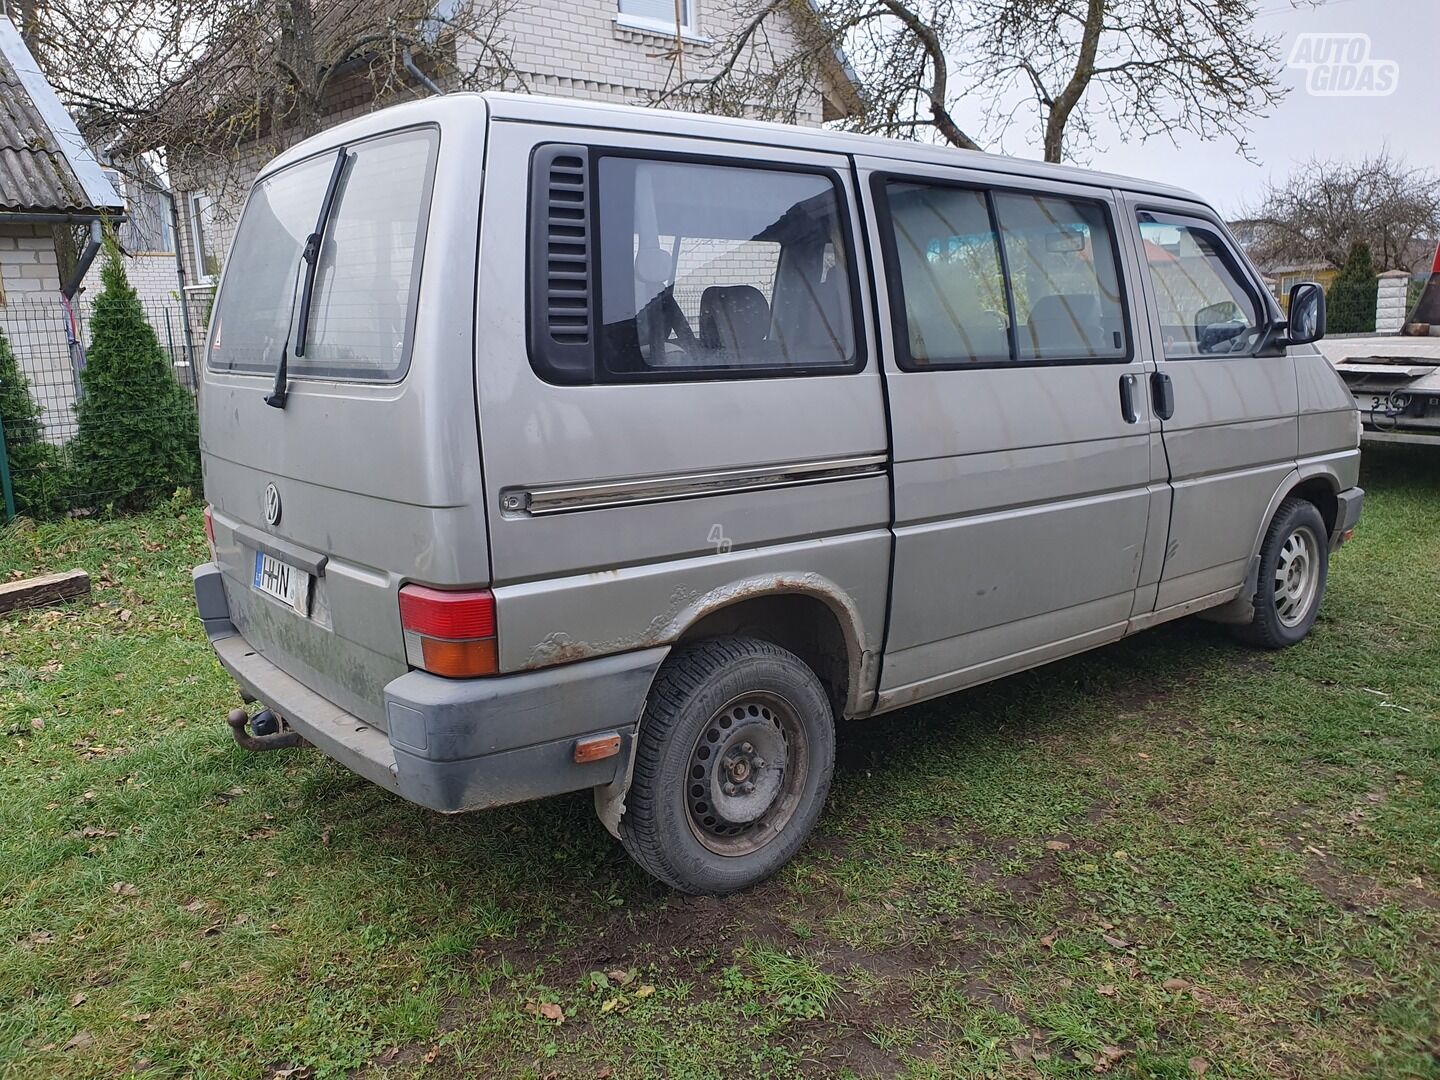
[732, 765]
[1294, 565]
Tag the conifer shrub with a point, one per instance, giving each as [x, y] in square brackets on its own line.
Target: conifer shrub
[36, 468]
[138, 439]
[1350, 303]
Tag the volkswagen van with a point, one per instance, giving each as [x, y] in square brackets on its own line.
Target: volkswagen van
[554, 446]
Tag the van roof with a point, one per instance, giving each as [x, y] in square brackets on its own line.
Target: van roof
[538, 108]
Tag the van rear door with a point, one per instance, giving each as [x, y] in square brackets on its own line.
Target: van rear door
[369, 475]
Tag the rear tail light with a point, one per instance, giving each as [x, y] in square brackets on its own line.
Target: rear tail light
[210, 529]
[450, 632]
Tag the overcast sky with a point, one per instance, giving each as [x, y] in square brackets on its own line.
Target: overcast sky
[1405, 31]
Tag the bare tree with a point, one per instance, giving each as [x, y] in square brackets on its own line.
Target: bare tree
[1324, 207]
[1051, 67]
[218, 84]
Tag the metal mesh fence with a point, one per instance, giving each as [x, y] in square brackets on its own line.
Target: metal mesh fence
[50, 341]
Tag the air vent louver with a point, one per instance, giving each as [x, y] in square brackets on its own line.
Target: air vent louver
[562, 245]
[567, 254]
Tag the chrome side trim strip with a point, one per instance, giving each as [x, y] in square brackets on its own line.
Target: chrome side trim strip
[570, 497]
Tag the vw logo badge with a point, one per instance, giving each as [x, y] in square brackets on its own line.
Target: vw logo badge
[272, 504]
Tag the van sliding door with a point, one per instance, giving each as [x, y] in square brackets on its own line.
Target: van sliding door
[1021, 430]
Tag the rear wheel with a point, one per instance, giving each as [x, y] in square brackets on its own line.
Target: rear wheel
[1294, 565]
[732, 765]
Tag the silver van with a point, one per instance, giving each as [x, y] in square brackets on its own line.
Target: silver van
[553, 445]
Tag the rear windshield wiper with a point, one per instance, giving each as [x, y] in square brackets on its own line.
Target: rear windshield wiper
[310, 256]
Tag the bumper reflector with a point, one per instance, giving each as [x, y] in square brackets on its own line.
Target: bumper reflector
[597, 747]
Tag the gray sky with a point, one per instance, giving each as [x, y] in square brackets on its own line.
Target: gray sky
[1405, 31]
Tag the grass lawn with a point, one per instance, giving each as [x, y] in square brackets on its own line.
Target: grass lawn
[1170, 858]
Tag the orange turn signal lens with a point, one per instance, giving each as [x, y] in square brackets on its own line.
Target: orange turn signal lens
[459, 659]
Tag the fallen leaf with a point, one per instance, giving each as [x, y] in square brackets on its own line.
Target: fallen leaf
[78, 1041]
[77, 1000]
[1049, 939]
[624, 978]
[94, 832]
[126, 614]
[605, 1073]
[123, 888]
[1176, 985]
[140, 1018]
[325, 838]
[186, 965]
[1115, 942]
[551, 1011]
[645, 991]
[609, 1005]
[1199, 1066]
[1057, 845]
[1122, 855]
[195, 905]
[37, 724]
[431, 1055]
[1108, 1058]
[1106, 990]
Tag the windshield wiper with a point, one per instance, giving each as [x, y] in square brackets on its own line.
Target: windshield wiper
[310, 256]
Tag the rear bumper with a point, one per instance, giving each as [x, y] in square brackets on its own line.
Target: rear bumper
[454, 744]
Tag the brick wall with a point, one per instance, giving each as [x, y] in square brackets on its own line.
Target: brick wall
[32, 317]
[27, 260]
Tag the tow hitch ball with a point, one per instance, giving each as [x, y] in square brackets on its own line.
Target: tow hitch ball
[265, 732]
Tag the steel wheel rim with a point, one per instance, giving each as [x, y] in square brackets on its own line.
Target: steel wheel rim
[746, 774]
[1297, 577]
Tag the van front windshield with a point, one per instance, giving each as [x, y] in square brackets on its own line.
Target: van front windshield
[367, 276]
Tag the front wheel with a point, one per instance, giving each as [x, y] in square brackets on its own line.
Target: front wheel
[732, 765]
[1294, 565]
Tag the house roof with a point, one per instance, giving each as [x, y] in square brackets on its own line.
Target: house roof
[45, 166]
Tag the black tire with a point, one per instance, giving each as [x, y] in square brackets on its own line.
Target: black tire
[1281, 619]
[713, 715]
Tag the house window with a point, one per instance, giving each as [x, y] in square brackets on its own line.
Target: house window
[204, 236]
[658, 15]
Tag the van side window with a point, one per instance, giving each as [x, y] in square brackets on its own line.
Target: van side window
[1205, 308]
[955, 306]
[1063, 277]
[719, 271]
[998, 277]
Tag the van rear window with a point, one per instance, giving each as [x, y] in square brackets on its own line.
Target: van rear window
[367, 276]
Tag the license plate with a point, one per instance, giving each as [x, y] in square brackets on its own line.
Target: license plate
[284, 582]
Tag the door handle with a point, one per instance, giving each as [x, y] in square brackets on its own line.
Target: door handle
[1127, 399]
[1162, 394]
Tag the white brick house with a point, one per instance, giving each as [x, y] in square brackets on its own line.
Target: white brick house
[612, 50]
[49, 181]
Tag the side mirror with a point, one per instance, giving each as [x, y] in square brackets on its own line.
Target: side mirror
[1307, 314]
